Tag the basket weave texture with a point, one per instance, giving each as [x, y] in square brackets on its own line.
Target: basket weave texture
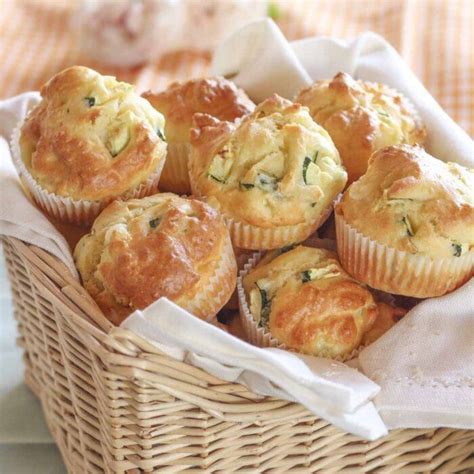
[116, 404]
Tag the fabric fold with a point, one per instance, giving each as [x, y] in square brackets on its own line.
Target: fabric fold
[258, 58]
[328, 389]
[425, 364]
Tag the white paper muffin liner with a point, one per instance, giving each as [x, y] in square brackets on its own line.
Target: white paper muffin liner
[396, 271]
[66, 209]
[246, 236]
[253, 237]
[241, 257]
[219, 289]
[175, 177]
[258, 335]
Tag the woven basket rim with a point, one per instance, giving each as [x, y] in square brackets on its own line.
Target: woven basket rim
[124, 350]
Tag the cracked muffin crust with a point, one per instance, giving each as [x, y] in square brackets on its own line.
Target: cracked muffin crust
[276, 173]
[361, 117]
[159, 246]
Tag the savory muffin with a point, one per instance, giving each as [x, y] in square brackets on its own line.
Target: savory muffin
[307, 302]
[274, 175]
[215, 96]
[159, 246]
[407, 225]
[387, 317]
[361, 118]
[91, 139]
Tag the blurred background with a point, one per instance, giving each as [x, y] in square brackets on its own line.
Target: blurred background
[152, 42]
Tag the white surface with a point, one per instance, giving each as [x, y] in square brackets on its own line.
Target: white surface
[25, 443]
[432, 378]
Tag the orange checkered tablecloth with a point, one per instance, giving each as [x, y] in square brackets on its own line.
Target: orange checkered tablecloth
[435, 37]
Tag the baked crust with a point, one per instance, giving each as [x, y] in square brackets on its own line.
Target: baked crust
[361, 118]
[162, 245]
[314, 306]
[387, 317]
[263, 160]
[215, 96]
[91, 137]
[413, 202]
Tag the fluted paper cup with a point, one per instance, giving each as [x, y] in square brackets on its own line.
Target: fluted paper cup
[251, 237]
[67, 209]
[219, 288]
[241, 257]
[396, 271]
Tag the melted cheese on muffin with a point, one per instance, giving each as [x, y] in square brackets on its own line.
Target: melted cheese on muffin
[309, 303]
[411, 201]
[91, 137]
[143, 249]
[276, 167]
[361, 117]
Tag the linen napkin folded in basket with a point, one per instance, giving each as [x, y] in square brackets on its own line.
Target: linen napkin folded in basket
[329, 389]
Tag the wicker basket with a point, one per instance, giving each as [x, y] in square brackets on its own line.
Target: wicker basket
[114, 403]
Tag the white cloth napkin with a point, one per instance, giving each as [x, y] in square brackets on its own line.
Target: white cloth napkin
[425, 364]
[18, 216]
[330, 389]
[260, 60]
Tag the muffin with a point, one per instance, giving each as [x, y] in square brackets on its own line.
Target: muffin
[158, 246]
[361, 118]
[90, 140]
[387, 317]
[215, 96]
[274, 176]
[407, 226]
[303, 300]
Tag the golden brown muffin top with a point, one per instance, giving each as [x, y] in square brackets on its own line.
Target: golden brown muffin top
[91, 137]
[276, 167]
[143, 249]
[308, 302]
[361, 117]
[215, 96]
[411, 201]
